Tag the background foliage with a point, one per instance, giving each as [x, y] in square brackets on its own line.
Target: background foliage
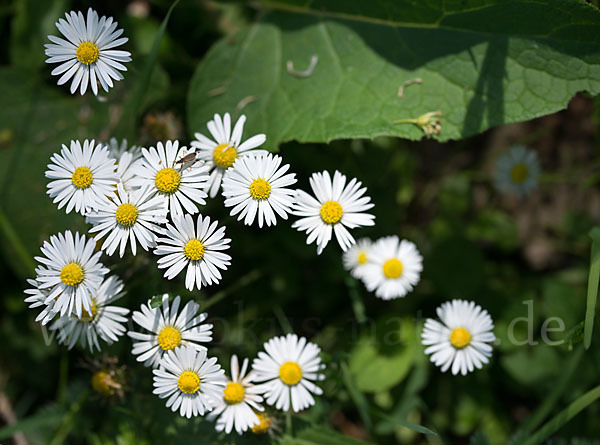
[482, 63]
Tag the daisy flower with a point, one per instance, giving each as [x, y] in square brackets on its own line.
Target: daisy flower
[197, 246]
[257, 184]
[462, 338]
[71, 272]
[517, 171]
[104, 320]
[394, 268]
[127, 159]
[37, 297]
[168, 330]
[337, 205]
[221, 153]
[193, 383]
[133, 217]
[179, 186]
[82, 176]
[238, 402]
[288, 369]
[357, 256]
[87, 55]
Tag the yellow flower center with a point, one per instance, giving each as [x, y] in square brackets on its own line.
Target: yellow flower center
[331, 212]
[460, 337]
[167, 180]
[290, 373]
[188, 382]
[224, 155]
[85, 315]
[127, 214]
[362, 258]
[260, 189]
[87, 53]
[101, 383]
[234, 393]
[519, 173]
[82, 177]
[169, 338]
[264, 425]
[71, 274]
[392, 268]
[194, 250]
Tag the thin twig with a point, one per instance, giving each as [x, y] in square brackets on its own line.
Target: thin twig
[407, 83]
[245, 101]
[8, 415]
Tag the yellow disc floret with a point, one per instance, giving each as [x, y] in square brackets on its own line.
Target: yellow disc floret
[101, 381]
[519, 173]
[362, 258]
[71, 274]
[188, 382]
[194, 250]
[260, 189]
[331, 212]
[460, 337]
[169, 338]
[167, 180]
[87, 53]
[82, 177]
[234, 393]
[224, 155]
[87, 316]
[264, 424]
[127, 214]
[290, 373]
[392, 268]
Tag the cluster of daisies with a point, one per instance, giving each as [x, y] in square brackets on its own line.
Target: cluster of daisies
[151, 198]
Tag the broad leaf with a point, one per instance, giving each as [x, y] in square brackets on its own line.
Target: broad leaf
[492, 63]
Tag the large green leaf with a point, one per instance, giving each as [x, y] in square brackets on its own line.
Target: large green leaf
[490, 63]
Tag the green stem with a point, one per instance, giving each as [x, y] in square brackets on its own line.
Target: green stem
[289, 429]
[245, 280]
[27, 262]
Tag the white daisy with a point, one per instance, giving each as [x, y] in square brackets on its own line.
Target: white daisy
[72, 272]
[133, 217]
[37, 297]
[517, 171]
[288, 368]
[461, 339]
[87, 55]
[256, 184]
[357, 256]
[193, 383]
[221, 153]
[178, 185]
[168, 330]
[394, 268]
[104, 320]
[127, 159]
[238, 401]
[336, 207]
[197, 246]
[82, 176]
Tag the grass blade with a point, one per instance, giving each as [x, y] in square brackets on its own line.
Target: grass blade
[563, 417]
[548, 404]
[132, 109]
[359, 399]
[592, 293]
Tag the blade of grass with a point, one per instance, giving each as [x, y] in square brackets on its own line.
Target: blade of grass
[593, 281]
[132, 110]
[559, 388]
[33, 422]
[563, 417]
[359, 399]
[27, 263]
